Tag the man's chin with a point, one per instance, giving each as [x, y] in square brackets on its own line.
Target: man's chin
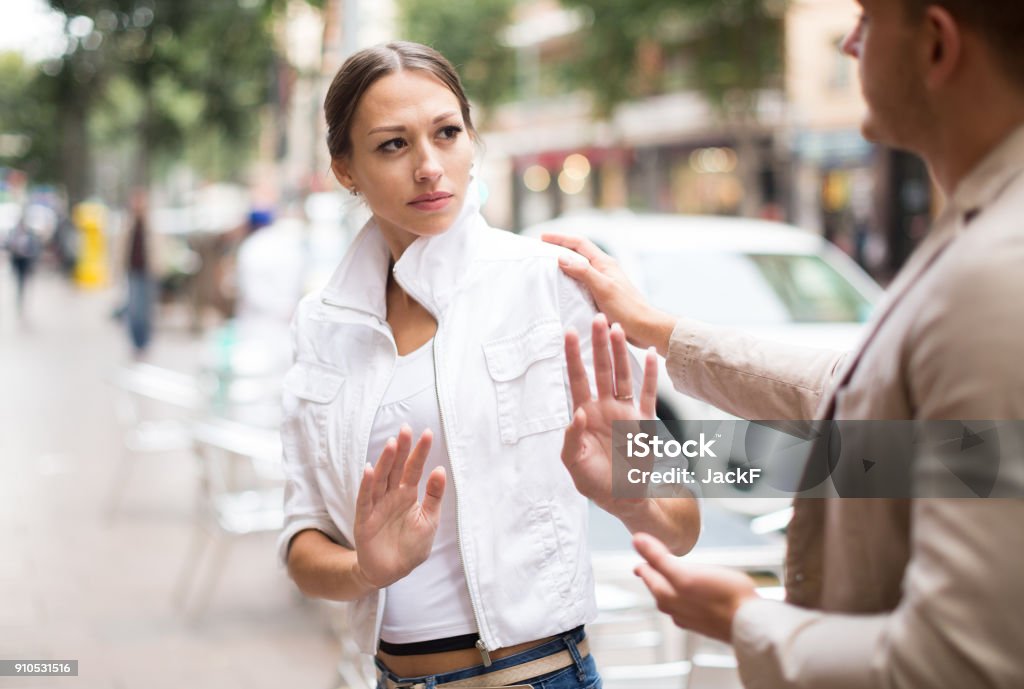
[869, 131]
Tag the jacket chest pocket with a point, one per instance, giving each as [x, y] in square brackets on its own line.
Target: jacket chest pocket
[310, 392]
[526, 369]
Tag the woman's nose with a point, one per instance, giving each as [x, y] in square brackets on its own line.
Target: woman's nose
[428, 166]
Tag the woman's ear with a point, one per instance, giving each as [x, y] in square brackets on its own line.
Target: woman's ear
[339, 166]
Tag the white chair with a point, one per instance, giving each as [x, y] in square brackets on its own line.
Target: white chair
[155, 407]
[241, 494]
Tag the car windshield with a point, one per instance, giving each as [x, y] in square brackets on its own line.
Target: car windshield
[752, 289]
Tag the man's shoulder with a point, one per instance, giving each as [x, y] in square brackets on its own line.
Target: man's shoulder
[987, 260]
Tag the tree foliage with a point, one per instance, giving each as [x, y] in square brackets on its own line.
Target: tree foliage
[729, 50]
[156, 75]
[27, 119]
[467, 33]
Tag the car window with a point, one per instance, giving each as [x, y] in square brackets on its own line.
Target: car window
[712, 286]
[813, 291]
[759, 290]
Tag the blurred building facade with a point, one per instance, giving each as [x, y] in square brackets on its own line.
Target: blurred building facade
[798, 157]
[293, 160]
[801, 157]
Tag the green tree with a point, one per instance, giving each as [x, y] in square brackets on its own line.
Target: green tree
[160, 77]
[28, 120]
[466, 32]
[729, 50]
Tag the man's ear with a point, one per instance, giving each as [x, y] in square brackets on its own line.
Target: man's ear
[945, 37]
[339, 166]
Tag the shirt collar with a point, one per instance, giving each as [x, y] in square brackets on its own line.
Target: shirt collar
[430, 269]
[989, 178]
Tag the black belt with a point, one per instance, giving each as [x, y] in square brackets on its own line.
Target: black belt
[451, 643]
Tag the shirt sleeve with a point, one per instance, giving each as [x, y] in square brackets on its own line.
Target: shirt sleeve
[304, 506]
[747, 376]
[951, 630]
[958, 623]
[578, 311]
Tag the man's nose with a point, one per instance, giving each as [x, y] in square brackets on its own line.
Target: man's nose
[851, 42]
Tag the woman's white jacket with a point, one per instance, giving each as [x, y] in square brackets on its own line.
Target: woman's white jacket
[502, 307]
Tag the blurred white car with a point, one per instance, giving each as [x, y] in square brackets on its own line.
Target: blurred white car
[769, 279]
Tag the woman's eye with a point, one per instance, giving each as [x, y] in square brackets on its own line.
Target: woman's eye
[391, 145]
[450, 132]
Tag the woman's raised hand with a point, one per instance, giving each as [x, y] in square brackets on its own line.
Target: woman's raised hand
[393, 530]
[587, 447]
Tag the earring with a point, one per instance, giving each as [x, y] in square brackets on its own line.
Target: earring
[354, 191]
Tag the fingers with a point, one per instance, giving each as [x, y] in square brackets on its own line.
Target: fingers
[599, 341]
[620, 356]
[433, 494]
[581, 245]
[414, 465]
[364, 499]
[579, 385]
[394, 477]
[659, 587]
[659, 557]
[383, 469]
[649, 388]
[572, 443]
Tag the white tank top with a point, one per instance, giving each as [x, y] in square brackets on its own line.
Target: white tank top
[432, 602]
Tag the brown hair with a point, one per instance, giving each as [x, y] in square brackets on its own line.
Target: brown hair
[1000, 22]
[365, 67]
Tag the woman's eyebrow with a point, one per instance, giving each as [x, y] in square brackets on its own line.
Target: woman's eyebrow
[400, 128]
[390, 128]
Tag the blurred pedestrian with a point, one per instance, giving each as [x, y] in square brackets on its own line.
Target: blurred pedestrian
[897, 593]
[24, 248]
[66, 241]
[438, 321]
[139, 268]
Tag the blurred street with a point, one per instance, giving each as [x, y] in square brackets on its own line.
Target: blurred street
[79, 584]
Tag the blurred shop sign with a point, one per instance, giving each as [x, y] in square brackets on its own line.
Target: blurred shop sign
[831, 146]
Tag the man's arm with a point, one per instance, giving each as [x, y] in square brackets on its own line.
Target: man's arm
[955, 627]
[957, 623]
[748, 377]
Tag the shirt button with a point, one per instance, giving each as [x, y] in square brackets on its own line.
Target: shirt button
[799, 577]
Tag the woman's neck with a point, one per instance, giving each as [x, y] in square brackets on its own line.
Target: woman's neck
[398, 240]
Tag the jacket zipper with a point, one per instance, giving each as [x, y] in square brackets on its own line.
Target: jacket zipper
[480, 645]
[389, 336]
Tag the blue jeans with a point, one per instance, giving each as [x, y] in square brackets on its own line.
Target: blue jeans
[139, 311]
[582, 674]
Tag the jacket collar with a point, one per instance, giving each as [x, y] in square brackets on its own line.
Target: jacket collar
[982, 186]
[989, 178]
[430, 269]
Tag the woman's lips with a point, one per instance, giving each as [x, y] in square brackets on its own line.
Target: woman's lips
[431, 202]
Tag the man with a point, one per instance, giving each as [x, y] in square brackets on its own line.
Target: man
[880, 592]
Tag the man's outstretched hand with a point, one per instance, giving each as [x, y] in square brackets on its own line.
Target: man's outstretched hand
[699, 598]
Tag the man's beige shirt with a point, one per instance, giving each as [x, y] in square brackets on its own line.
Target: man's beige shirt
[900, 594]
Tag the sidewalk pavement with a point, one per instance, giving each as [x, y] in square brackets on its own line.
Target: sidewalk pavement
[78, 585]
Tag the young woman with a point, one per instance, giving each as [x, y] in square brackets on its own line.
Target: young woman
[479, 574]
